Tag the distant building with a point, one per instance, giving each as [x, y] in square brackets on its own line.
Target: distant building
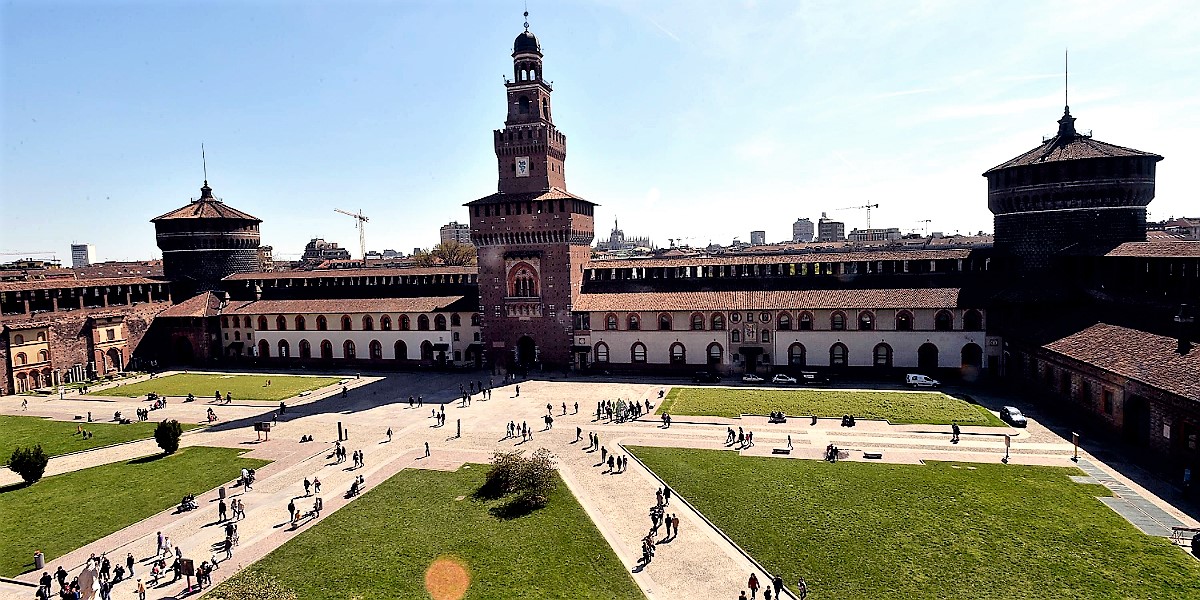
[266, 258]
[618, 241]
[758, 238]
[803, 230]
[875, 235]
[1185, 227]
[318, 250]
[829, 230]
[82, 255]
[459, 232]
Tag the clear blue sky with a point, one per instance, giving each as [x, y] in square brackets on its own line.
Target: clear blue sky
[684, 118]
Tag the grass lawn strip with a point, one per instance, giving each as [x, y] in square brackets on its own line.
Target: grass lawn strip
[380, 545]
[59, 437]
[204, 385]
[941, 530]
[61, 513]
[931, 408]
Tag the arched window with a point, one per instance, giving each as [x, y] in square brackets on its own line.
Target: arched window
[927, 356]
[944, 321]
[426, 351]
[439, 322]
[326, 350]
[785, 321]
[904, 321]
[281, 323]
[348, 350]
[972, 321]
[43, 356]
[678, 354]
[225, 321]
[797, 357]
[523, 105]
[883, 355]
[806, 321]
[245, 321]
[715, 353]
[610, 322]
[664, 322]
[422, 323]
[237, 335]
[368, 323]
[262, 323]
[837, 321]
[637, 352]
[866, 321]
[22, 359]
[455, 320]
[322, 323]
[476, 320]
[697, 322]
[347, 323]
[838, 355]
[41, 336]
[633, 323]
[305, 349]
[18, 339]
[405, 324]
[735, 335]
[601, 352]
[301, 324]
[376, 350]
[401, 350]
[764, 335]
[972, 355]
[385, 323]
[285, 349]
[718, 322]
[264, 349]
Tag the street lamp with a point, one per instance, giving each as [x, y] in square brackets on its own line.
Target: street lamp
[1007, 445]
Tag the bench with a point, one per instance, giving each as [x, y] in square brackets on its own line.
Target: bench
[777, 420]
[873, 455]
[1179, 534]
[781, 450]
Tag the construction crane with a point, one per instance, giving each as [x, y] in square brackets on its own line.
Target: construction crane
[866, 206]
[926, 222]
[362, 233]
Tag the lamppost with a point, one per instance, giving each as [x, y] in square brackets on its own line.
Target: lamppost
[1007, 445]
[1075, 441]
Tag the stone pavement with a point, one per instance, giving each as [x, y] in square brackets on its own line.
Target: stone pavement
[700, 563]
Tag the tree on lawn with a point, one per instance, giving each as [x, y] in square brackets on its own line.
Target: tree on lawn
[29, 463]
[167, 435]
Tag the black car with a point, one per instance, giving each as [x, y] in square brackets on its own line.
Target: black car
[1013, 416]
[706, 377]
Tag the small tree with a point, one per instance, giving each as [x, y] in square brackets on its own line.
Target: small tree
[536, 481]
[167, 435]
[29, 463]
[502, 477]
[253, 585]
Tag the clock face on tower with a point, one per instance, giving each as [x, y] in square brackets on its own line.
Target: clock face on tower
[522, 166]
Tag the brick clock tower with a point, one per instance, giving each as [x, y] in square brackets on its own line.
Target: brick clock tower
[533, 236]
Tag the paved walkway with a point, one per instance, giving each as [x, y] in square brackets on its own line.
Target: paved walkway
[700, 563]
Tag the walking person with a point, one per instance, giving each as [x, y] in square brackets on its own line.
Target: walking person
[307, 487]
[129, 563]
[777, 583]
[389, 434]
[426, 449]
[316, 485]
[666, 495]
[291, 510]
[752, 583]
[802, 589]
[578, 433]
[675, 525]
[221, 508]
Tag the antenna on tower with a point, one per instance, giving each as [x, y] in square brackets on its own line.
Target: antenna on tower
[1066, 80]
[526, 16]
[204, 163]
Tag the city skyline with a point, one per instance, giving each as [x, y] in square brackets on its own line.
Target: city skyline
[306, 108]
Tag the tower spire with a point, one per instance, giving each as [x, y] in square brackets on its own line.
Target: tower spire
[204, 163]
[1066, 125]
[527, 16]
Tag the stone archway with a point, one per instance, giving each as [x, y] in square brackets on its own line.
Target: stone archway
[182, 351]
[526, 352]
[927, 356]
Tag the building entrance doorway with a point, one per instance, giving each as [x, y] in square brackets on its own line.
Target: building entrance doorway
[526, 352]
[1137, 419]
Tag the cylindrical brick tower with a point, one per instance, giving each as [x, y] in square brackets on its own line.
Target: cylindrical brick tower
[1072, 195]
[206, 241]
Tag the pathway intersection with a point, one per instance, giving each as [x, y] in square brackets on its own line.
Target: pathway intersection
[700, 563]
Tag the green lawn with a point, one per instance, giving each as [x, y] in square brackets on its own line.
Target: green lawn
[932, 408]
[61, 513]
[941, 530]
[59, 437]
[381, 545]
[204, 385]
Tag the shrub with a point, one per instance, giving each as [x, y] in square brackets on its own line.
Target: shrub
[29, 463]
[532, 478]
[167, 435]
[253, 585]
[502, 477]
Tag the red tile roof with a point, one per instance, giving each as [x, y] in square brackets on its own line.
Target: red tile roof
[201, 305]
[550, 194]
[1161, 249]
[342, 306]
[770, 300]
[772, 259]
[368, 272]
[206, 209]
[1146, 357]
[1073, 147]
[57, 284]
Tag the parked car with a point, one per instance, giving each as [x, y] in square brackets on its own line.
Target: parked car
[751, 378]
[1013, 416]
[917, 380]
[813, 378]
[706, 377]
[781, 378]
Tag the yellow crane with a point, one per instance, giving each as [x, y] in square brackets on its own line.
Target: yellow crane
[361, 221]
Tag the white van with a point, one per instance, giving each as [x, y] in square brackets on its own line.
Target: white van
[915, 380]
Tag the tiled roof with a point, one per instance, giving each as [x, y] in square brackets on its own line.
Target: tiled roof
[1162, 249]
[770, 300]
[369, 272]
[550, 194]
[771, 259]
[201, 305]
[206, 209]
[342, 306]
[57, 284]
[1072, 147]
[1148, 358]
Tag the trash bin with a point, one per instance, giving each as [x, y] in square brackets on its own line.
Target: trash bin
[221, 492]
[39, 561]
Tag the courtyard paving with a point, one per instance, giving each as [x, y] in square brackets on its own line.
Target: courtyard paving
[700, 563]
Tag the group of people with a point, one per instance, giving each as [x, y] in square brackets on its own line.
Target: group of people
[98, 576]
[621, 411]
[777, 416]
[658, 518]
[217, 397]
[847, 420]
[143, 414]
[743, 439]
[775, 584]
[513, 430]
[439, 418]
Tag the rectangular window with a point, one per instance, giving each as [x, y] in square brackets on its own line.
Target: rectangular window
[112, 334]
[1108, 402]
[456, 336]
